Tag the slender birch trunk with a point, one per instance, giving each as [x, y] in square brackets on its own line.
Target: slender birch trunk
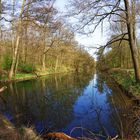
[18, 36]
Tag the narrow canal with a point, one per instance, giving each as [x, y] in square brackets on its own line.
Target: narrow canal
[79, 105]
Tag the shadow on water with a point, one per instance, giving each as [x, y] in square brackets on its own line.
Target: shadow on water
[89, 105]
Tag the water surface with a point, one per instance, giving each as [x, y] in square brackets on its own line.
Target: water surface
[76, 104]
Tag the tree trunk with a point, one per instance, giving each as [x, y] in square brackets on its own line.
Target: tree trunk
[43, 62]
[16, 66]
[44, 54]
[0, 7]
[14, 60]
[130, 17]
[56, 63]
[26, 35]
[121, 58]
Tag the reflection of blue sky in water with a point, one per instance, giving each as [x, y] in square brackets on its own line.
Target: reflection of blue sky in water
[63, 102]
[85, 111]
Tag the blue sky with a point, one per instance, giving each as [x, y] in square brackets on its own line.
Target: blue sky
[94, 40]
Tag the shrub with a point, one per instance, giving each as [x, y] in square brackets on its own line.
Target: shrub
[27, 68]
[7, 62]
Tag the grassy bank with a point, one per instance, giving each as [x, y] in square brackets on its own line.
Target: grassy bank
[39, 73]
[125, 78]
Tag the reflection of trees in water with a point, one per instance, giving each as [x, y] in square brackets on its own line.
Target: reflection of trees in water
[135, 117]
[62, 98]
[120, 106]
[100, 83]
[126, 121]
[49, 100]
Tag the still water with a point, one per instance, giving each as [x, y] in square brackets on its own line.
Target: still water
[75, 104]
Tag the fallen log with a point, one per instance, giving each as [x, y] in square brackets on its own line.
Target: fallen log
[58, 136]
[2, 89]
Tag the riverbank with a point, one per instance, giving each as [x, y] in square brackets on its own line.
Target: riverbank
[27, 76]
[8, 131]
[125, 79]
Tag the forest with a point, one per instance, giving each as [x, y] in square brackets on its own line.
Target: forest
[53, 87]
[35, 39]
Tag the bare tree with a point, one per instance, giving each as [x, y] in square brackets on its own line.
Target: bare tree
[35, 37]
[131, 28]
[18, 37]
[92, 13]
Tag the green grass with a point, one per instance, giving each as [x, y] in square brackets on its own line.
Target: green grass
[24, 76]
[19, 76]
[126, 79]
